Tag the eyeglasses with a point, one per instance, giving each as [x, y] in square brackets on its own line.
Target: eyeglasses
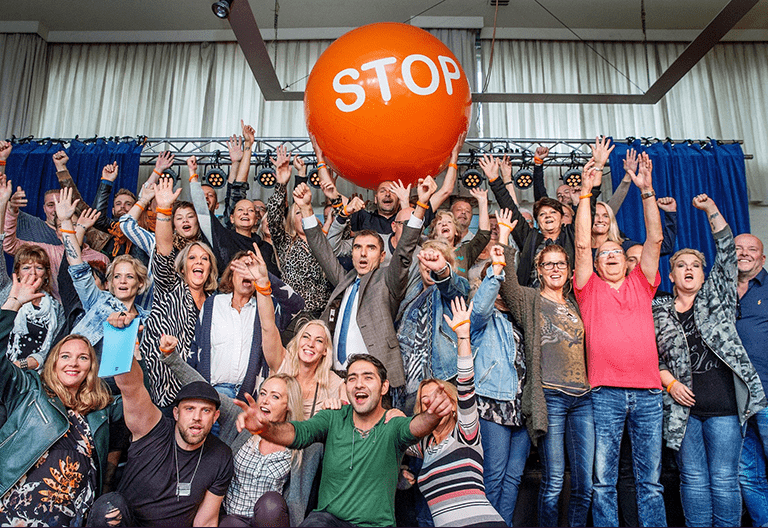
[551, 265]
[609, 252]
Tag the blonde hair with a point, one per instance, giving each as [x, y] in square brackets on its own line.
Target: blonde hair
[92, 394]
[212, 283]
[295, 411]
[687, 251]
[291, 364]
[290, 227]
[138, 268]
[450, 391]
[613, 230]
[452, 217]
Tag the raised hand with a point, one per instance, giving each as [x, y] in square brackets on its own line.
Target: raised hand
[252, 265]
[426, 188]
[506, 225]
[642, 179]
[300, 165]
[192, 166]
[18, 199]
[251, 418]
[282, 165]
[457, 147]
[354, 205]
[164, 193]
[601, 150]
[542, 152]
[65, 207]
[317, 149]
[26, 289]
[481, 195]
[164, 161]
[235, 148]
[432, 259]
[147, 193]
[5, 150]
[109, 172]
[302, 196]
[506, 169]
[121, 319]
[498, 260]
[168, 344]
[667, 204]
[704, 203]
[402, 192]
[490, 166]
[460, 313]
[249, 134]
[88, 218]
[6, 189]
[630, 162]
[60, 160]
[588, 177]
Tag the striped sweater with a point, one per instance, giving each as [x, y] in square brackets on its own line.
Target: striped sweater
[451, 478]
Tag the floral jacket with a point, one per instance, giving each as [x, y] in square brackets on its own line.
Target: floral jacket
[715, 316]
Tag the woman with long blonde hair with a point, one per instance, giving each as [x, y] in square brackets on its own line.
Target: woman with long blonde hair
[56, 438]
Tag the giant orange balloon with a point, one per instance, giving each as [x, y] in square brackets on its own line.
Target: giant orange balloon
[387, 101]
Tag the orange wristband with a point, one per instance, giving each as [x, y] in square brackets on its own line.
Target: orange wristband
[138, 204]
[68, 231]
[193, 177]
[322, 165]
[453, 166]
[156, 172]
[465, 321]
[166, 351]
[588, 195]
[423, 206]
[538, 161]
[506, 225]
[165, 211]
[2, 163]
[266, 290]
[669, 387]
[498, 263]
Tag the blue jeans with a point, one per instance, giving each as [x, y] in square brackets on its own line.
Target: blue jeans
[752, 468]
[227, 389]
[505, 450]
[570, 426]
[642, 411]
[709, 460]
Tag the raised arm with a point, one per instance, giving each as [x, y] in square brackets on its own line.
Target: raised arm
[539, 187]
[668, 206]
[5, 151]
[449, 181]
[17, 200]
[235, 148]
[60, 160]
[198, 199]
[101, 201]
[165, 196]
[467, 404]
[506, 177]
[318, 243]
[141, 415]
[620, 193]
[583, 266]
[649, 259]
[65, 209]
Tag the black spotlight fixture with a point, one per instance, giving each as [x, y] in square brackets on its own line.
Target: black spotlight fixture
[313, 178]
[172, 174]
[572, 176]
[221, 8]
[266, 177]
[524, 177]
[215, 176]
[472, 178]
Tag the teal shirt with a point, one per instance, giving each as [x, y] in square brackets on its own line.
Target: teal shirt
[359, 474]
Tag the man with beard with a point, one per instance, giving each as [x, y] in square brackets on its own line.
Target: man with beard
[363, 448]
[176, 474]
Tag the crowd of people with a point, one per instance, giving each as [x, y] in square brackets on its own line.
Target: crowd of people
[292, 370]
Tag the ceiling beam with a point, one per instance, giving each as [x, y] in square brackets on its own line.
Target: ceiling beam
[249, 37]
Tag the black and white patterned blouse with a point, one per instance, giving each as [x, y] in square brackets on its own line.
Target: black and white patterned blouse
[175, 313]
[300, 269]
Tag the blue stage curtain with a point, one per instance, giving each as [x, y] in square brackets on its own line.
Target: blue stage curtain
[30, 165]
[683, 171]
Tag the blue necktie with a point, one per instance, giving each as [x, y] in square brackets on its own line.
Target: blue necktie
[342, 348]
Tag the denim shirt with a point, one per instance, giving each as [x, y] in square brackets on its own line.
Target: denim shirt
[98, 304]
[493, 343]
[444, 351]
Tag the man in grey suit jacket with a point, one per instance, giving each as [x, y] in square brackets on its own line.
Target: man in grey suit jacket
[371, 294]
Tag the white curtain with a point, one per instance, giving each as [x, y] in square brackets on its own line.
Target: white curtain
[22, 78]
[722, 97]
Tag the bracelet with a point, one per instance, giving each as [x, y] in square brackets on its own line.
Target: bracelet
[193, 177]
[422, 205]
[669, 387]
[599, 169]
[23, 364]
[441, 270]
[497, 263]
[166, 351]
[68, 231]
[509, 183]
[506, 225]
[336, 202]
[81, 225]
[648, 194]
[138, 204]
[460, 338]
[465, 321]
[453, 166]
[322, 165]
[588, 195]
[538, 161]
[157, 172]
[266, 290]
[167, 211]
[2, 163]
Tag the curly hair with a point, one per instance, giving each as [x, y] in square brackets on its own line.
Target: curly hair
[28, 253]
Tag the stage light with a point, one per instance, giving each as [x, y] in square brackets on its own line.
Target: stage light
[472, 178]
[172, 174]
[215, 176]
[572, 177]
[523, 178]
[266, 177]
[221, 8]
[313, 178]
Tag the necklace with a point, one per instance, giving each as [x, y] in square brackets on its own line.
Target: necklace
[184, 489]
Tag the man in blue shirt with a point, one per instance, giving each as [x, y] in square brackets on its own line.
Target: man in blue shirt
[752, 325]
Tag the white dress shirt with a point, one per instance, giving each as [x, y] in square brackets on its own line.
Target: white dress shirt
[231, 339]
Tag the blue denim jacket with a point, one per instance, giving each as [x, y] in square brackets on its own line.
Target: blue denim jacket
[98, 304]
[493, 343]
[444, 352]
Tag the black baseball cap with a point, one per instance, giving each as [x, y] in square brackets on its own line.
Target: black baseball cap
[198, 390]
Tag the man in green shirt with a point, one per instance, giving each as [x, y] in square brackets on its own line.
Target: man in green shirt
[362, 449]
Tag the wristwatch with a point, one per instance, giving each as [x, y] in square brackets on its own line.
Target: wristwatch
[24, 364]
